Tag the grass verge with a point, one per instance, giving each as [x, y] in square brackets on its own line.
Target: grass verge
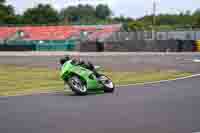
[15, 80]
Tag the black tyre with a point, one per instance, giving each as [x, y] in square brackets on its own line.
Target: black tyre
[77, 86]
[109, 86]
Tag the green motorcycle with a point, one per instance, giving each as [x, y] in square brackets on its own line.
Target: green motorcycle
[82, 80]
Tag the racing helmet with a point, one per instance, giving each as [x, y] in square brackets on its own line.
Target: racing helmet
[65, 59]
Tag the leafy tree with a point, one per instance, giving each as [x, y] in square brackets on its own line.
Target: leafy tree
[184, 19]
[2, 1]
[103, 11]
[136, 25]
[87, 13]
[196, 16]
[7, 13]
[80, 13]
[41, 14]
[123, 19]
[197, 12]
[125, 26]
[69, 14]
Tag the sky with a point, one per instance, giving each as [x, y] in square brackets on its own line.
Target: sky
[129, 8]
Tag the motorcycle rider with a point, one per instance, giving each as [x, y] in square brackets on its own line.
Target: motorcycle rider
[63, 60]
[75, 61]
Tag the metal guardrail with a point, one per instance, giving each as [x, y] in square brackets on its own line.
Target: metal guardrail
[160, 35]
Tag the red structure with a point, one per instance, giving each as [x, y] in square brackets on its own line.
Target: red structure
[55, 32]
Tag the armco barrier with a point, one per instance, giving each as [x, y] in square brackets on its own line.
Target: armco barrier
[88, 47]
[140, 45]
[18, 47]
[126, 46]
[54, 47]
[37, 47]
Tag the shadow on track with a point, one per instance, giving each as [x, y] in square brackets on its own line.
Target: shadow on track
[71, 94]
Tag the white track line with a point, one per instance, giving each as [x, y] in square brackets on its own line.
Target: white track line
[196, 60]
[161, 81]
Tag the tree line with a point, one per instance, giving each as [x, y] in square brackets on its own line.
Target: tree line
[45, 14]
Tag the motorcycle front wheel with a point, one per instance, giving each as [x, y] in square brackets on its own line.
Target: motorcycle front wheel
[77, 86]
[109, 86]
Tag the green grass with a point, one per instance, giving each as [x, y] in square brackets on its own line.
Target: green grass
[15, 80]
[123, 78]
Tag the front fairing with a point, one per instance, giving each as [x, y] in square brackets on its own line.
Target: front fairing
[68, 67]
[84, 73]
[65, 68]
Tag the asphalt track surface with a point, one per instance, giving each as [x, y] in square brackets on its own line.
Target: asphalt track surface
[169, 107]
[112, 61]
